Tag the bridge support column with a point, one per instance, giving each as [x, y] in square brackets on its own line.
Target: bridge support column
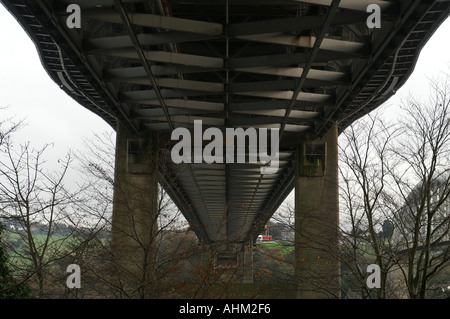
[317, 267]
[134, 221]
[245, 262]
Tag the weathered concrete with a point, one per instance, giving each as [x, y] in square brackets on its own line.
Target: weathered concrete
[134, 222]
[245, 262]
[317, 269]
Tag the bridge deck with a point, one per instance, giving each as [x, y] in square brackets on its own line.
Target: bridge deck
[297, 66]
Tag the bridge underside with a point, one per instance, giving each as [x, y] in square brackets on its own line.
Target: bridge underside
[296, 66]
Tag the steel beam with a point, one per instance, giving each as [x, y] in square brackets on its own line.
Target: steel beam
[311, 58]
[289, 95]
[156, 21]
[358, 5]
[287, 59]
[96, 45]
[189, 104]
[168, 57]
[158, 70]
[295, 24]
[281, 113]
[323, 75]
[308, 42]
[175, 83]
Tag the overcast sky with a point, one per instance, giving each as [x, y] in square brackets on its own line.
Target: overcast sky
[54, 117]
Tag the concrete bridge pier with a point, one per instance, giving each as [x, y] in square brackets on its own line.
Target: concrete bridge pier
[245, 262]
[317, 267]
[134, 220]
[232, 261]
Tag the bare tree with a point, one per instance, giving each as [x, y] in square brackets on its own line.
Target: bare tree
[422, 183]
[163, 253]
[364, 167]
[395, 194]
[36, 201]
[7, 127]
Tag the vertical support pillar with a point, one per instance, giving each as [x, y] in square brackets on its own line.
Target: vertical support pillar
[134, 221]
[207, 258]
[317, 267]
[245, 262]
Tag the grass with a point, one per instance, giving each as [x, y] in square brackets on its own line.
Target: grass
[55, 243]
[280, 245]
